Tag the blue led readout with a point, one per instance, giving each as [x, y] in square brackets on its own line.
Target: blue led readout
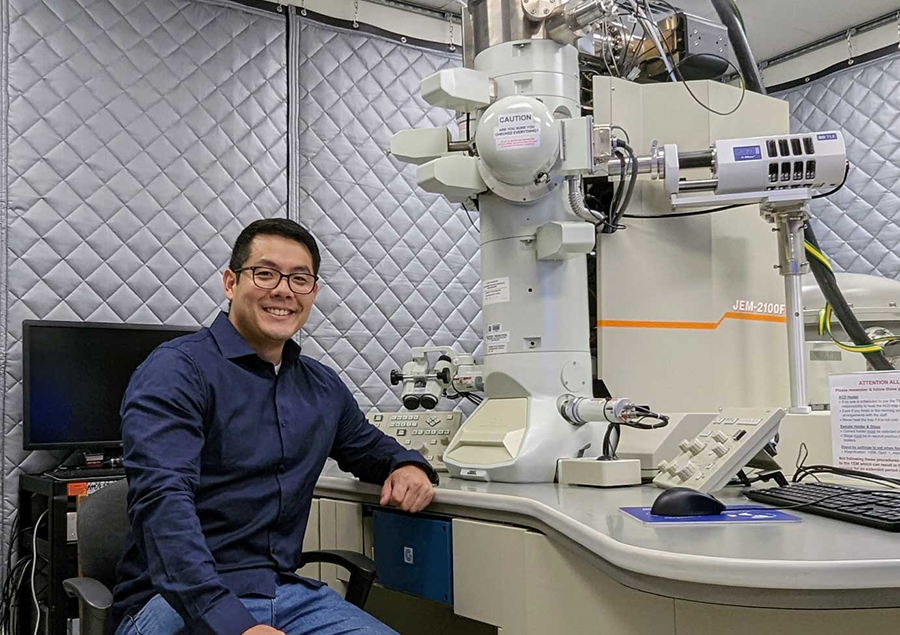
[748, 153]
[831, 136]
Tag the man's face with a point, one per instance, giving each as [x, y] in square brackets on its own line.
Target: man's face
[269, 317]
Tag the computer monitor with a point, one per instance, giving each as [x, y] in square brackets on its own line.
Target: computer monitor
[75, 375]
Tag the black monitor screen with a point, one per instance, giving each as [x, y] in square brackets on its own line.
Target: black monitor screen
[75, 375]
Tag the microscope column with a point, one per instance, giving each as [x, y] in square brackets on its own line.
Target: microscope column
[537, 338]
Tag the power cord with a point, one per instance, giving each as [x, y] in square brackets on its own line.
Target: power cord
[839, 187]
[37, 606]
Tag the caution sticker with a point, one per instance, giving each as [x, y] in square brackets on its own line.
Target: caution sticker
[517, 131]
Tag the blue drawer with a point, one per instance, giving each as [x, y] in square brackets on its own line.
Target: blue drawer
[414, 554]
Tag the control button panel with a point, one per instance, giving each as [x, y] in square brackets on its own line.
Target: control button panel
[428, 432]
[708, 462]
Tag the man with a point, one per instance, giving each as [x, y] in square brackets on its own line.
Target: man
[225, 433]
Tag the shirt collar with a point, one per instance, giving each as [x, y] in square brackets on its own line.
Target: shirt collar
[233, 345]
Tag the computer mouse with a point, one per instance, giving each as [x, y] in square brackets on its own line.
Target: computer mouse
[683, 501]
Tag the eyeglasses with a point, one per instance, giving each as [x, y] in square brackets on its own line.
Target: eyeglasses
[267, 278]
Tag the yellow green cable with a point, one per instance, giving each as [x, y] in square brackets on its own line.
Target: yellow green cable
[818, 255]
[825, 328]
[825, 314]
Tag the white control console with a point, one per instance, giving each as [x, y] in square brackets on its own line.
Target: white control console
[730, 441]
[428, 432]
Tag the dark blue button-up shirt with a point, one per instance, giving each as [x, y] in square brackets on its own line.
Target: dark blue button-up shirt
[222, 455]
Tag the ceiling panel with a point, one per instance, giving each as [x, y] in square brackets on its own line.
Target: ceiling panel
[773, 26]
[777, 26]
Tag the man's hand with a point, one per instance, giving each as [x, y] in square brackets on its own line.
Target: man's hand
[262, 629]
[408, 488]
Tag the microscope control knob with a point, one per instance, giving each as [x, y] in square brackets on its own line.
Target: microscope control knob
[687, 471]
[667, 468]
[697, 447]
[720, 450]
[445, 440]
[721, 437]
[684, 445]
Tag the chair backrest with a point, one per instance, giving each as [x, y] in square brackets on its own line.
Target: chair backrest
[102, 530]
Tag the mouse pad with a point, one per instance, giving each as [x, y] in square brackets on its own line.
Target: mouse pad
[741, 514]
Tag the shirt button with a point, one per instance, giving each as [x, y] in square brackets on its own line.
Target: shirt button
[283, 425]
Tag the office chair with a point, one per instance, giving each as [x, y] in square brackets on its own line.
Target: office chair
[102, 529]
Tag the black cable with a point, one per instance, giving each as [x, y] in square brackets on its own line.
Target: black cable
[841, 471]
[625, 51]
[12, 542]
[631, 183]
[661, 420]
[608, 451]
[677, 69]
[625, 132]
[470, 218]
[833, 296]
[608, 227]
[8, 593]
[468, 139]
[685, 214]
[839, 187]
[866, 479]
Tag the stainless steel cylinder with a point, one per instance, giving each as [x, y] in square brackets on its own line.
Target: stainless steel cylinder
[700, 185]
[494, 22]
[568, 21]
[792, 254]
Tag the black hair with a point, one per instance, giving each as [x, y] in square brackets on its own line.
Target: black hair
[273, 227]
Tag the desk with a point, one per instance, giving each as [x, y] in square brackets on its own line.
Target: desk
[548, 558]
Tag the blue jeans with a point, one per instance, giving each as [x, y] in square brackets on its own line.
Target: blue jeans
[297, 609]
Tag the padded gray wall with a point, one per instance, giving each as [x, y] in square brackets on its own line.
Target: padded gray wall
[143, 135]
[400, 266]
[859, 228]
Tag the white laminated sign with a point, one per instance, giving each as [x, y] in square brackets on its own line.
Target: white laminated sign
[517, 131]
[865, 422]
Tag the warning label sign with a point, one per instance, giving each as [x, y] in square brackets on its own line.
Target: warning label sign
[517, 131]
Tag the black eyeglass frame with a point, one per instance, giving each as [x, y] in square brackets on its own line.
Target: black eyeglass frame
[252, 270]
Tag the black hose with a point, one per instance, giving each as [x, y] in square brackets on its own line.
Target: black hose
[828, 284]
[729, 14]
[611, 441]
[609, 227]
[632, 182]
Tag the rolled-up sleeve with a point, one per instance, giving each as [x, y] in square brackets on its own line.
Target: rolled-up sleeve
[163, 433]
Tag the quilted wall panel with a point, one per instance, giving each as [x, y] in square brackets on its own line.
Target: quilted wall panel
[143, 135]
[859, 228]
[400, 266]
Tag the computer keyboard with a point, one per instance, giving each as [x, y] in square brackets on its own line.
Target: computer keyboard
[879, 509]
[86, 473]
